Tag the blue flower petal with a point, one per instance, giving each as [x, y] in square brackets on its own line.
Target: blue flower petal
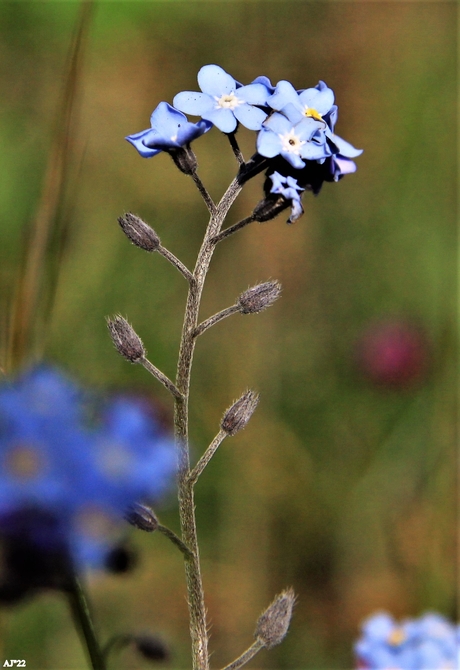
[345, 148]
[268, 144]
[193, 102]
[214, 81]
[284, 94]
[249, 116]
[254, 94]
[136, 141]
[222, 118]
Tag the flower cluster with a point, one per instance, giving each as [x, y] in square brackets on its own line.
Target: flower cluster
[65, 484]
[430, 642]
[295, 140]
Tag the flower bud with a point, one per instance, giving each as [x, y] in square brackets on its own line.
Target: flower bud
[238, 415]
[270, 207]
[184, 159]
[142, 517]
[258, 298]
[151, 647]
[125, 339]
[139, 232]
[273, 624]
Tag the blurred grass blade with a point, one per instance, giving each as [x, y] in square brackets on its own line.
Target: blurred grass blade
[46, 230]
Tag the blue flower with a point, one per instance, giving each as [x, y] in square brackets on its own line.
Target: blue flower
[64, 485]
[290, 190]
[426, 643]
[313, 103]
[224, 101]
[170, 131]
[294, 142]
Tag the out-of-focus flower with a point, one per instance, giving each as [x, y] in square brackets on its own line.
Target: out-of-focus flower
[224, 101]
[64, 486]
[170, 132]
[427, 643]
[393, 353]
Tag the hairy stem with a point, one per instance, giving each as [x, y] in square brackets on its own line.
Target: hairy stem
[208, 454]
[232, 229]
[162, 378]
[215, 318]
[246, 656]
[195, 594]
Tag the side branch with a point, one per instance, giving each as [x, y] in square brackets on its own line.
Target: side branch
[204, 325]
[232, 229]
[176, 262]
[163, 379]
[209, 202]
[246, 656]
[204, 460]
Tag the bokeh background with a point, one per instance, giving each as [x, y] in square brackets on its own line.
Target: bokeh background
[343, 484]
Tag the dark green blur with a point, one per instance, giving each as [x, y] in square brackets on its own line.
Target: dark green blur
[340, 487]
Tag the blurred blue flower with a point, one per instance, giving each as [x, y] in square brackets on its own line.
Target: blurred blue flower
[427, 643]
[290, 190]
[294, 142]
[65, 486]
[224, 101]
[170, 131]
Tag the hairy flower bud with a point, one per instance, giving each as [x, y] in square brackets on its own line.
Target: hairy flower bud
[142, 517]
[273, 624]
[268, 208]
[258, 298]
[125, 339]
[238, 415]
[139, 232]
[184, 159]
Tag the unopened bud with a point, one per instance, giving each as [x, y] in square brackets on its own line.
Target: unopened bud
[270, 207]
[142, 517]
[139, 232]
[259, 297]
[274, 622]
[151, 647]
[184, 159]
[238, 415]
[125, 339]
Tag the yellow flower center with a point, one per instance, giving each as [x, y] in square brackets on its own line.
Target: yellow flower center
[312, 113]
[396, 637]
[228, 101]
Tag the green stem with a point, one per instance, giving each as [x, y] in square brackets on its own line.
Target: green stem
[84, 624]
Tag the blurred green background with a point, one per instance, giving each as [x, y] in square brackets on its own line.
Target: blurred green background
[341, 487]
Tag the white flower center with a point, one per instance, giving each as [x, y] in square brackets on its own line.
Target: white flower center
[228, 101]
[291, 143]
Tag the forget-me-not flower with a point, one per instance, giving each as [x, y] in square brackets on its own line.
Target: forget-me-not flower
[290, 190]
[223, 100]
[65, 485]
[170, 131]
[426, 643]
[294, 142]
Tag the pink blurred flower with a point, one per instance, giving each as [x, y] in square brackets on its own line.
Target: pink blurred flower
[393, 353]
